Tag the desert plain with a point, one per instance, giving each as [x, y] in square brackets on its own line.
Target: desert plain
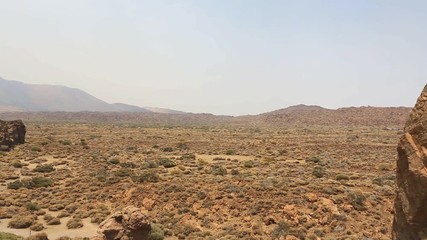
[305, 180]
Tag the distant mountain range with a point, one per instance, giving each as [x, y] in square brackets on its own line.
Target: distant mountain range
[16, 96]
[56, 103]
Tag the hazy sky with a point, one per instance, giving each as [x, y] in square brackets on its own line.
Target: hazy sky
[221, 56]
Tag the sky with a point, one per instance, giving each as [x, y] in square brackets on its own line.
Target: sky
[229, 57]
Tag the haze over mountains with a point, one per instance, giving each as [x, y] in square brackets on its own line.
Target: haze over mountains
[21, 97]
[44, 102]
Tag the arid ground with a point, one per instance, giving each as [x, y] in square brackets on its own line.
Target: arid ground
[207, 182]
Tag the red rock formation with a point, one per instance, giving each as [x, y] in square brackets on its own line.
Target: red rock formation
[129, 224]
[410, 207]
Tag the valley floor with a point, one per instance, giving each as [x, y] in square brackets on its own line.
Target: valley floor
[310, 182]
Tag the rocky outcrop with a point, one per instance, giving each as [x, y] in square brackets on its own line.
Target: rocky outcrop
[11, 134]
[128, 224]
[410, 207]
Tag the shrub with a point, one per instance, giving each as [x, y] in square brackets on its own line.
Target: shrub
[280, 230]
[342, 177]
[37, 227]
[37, 182]
[156, 232]
[230, 152]
[167, 149]
[54, 221]
[314, 159]
[189, 156]
[182, 146]
[9, 236]
[17, 164]
[32, 206]
[357, 199]
[114, 161]
[150, 164]
[36, 149]
[21, 222]
[38, 236]
[122, 173]
[318, 172]
[74, 223]
[248, 164]
[146, 177]
[15, 185]
[167, 163]
[65, 142]
[218, 170]
[128, 165]
[44, 168]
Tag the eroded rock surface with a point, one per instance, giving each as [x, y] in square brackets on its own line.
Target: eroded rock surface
[410, 208]
[128, 224]
[11, 134]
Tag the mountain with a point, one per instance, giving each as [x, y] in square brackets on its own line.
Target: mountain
[315, 115]
[16, 96]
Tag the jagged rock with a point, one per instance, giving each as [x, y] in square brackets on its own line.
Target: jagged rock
[11, 134]
[410, 207]
[128, 224]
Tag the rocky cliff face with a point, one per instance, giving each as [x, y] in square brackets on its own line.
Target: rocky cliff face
[11, 134]
[410, 209]
[128, 224]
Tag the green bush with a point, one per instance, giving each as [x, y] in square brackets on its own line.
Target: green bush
[167, 163]
[248, 164]
[128, 165]
[342, 177]
[218, 170]
[9, 236]
[37, 182]
[32, 206]
[15, 185]
[17, 164]
[122, 173]
[114, 161]
[167, 149]
[44, 168]
[36, 149]
[146, 177]
[313, 159]
[318, 172]
[182, 146]
[230, 152]
[156, 232]
[34, 182]
[65, 142]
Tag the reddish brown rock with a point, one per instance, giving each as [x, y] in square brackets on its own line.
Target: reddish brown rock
[410, 207]
[11, 134]
[129, 224]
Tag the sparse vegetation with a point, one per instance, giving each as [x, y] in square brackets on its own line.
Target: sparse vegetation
[222, 186]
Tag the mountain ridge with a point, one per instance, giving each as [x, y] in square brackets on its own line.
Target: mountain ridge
[17, 96]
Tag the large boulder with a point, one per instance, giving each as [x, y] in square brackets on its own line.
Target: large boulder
[11, 134]
[128, 224]
[410, 207]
